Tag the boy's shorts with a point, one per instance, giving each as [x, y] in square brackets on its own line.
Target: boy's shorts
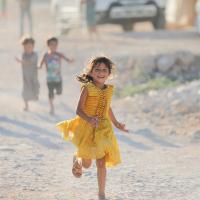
[54, 86]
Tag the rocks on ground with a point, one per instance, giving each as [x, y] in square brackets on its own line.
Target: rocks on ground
[181, 65]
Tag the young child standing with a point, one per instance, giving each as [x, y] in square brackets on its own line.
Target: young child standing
[52, 60]
[91, 130]
[29, 63]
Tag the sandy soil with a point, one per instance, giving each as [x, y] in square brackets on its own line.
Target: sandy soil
[35, 163]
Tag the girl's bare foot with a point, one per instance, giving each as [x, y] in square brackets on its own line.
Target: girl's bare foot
[102, 196]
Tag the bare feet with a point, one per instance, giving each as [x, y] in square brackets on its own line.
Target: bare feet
[51, 112]
[102, 196]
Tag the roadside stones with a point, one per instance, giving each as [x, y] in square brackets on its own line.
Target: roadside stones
[166, 62]
[147, 64]
[182, 66]
[196, 136]
[185, 59]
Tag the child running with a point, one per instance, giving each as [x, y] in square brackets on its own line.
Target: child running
[29, 63]
[52, 60]
[91, 130]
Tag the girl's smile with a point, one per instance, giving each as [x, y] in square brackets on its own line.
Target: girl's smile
[100, 74]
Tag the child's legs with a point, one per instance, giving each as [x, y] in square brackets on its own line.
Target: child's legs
[58, 88]
[26, 105]
[78, 163]
[22, 21]
[30, 21]
[51, 105]
[101, 175]
[86, 163]
[51, 87]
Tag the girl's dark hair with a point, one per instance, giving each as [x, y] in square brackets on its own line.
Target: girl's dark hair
[85, 77]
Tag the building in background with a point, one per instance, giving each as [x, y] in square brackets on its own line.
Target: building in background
[180, 13]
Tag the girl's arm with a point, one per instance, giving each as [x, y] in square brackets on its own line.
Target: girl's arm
[117, 124]
[42, 62]
[79, 111]
[19, 60]
[65, 58]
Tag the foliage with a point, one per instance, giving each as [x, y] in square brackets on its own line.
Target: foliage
[152, 84]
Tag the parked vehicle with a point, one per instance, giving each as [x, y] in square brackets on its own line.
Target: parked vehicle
[122, 12]
[127, 12]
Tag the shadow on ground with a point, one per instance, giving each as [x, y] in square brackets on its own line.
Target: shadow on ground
[33, 132]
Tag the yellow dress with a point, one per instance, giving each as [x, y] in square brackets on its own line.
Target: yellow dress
[94, 143]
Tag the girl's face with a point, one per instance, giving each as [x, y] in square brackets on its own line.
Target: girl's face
[28, 48]
[100, 74]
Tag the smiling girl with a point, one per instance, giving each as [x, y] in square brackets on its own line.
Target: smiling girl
[91, 131]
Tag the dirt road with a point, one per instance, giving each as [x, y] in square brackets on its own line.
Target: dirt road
[34, 161]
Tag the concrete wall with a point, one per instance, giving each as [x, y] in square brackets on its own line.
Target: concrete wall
[180, 13]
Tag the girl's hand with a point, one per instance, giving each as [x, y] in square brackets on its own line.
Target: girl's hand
[18, 60]
[94, 122]
[121, 126]
[24, 62]
[71, 60]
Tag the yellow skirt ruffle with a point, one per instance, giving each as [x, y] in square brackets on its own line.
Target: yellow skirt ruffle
[92, 143]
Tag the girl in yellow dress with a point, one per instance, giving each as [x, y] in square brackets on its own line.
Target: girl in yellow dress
[91, 130]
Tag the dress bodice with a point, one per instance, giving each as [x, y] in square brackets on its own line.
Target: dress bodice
[98, 100]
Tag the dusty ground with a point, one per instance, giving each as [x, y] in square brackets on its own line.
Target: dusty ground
[36, 163]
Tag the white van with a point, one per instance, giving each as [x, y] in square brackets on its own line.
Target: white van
[127, 12]
[122, 12]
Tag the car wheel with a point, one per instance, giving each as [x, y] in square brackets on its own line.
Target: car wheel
[159, 21]
[127, 26]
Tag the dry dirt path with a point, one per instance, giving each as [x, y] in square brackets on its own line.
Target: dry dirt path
[34, 161]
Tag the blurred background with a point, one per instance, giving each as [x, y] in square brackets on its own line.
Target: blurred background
[68, 15]
[155, 46]
[154, 43]
[147, 39]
